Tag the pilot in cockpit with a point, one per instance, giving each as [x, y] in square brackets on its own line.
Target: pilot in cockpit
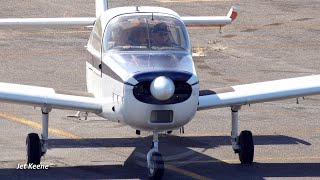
[160, 35]
[143, 33]
[118, 37]
[138, 36]
[131, 33]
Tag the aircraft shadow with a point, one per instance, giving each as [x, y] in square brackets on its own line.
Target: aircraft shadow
[77, 172]
[216, 170]
[221, 170]
[174, 149]
[185, 141]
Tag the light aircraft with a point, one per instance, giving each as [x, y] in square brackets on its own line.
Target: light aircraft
[141, 73]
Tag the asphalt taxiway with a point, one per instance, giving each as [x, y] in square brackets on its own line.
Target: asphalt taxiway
[269, 40]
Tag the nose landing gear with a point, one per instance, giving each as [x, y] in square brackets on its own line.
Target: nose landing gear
[154, 160]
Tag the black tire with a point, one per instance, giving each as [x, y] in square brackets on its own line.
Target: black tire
[33, 147]
[157, 163]
[246, 147]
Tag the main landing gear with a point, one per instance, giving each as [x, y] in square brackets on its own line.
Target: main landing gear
[243, 145]
[154, 159]
[35, 146]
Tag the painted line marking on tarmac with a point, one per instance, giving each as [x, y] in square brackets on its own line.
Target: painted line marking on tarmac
[68, 135]
[39, 126]
[71, 136]
[185, 172]
[169, 165]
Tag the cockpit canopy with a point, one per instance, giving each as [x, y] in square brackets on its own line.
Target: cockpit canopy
[145, 31]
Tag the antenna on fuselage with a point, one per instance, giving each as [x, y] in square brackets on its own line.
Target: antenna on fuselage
[101, 6]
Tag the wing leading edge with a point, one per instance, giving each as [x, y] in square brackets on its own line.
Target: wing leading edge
[86, 21]
[48, 97]
[259, 92]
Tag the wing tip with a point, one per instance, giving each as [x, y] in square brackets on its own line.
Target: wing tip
[233, 13]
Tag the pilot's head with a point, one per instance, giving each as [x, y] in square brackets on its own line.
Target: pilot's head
[138, 36]
[160, 34]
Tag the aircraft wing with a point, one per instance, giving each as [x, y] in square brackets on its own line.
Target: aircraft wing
[259, 92]
[86, 21]
[210, 21]
[48, 97]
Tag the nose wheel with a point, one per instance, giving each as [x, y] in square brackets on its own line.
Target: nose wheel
[156, 166]
[154, 160]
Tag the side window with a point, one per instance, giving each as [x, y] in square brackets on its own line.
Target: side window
[95, 37]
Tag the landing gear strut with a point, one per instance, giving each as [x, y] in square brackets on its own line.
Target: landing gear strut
[35, 146]
[243, 145]
[154, 159]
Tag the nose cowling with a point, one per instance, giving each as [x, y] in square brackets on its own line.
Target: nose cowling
[162, 88]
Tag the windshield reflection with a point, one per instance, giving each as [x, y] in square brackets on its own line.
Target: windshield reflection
[141, 62]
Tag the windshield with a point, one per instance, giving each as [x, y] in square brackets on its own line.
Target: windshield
[142, 62]
[148, 31]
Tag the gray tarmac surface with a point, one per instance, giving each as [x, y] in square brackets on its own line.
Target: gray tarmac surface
[269, 40]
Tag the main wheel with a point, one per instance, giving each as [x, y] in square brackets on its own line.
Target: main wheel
[156, 169]
[33, 147]
[246, 147]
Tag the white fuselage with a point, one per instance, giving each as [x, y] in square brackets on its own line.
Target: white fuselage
[124, 78]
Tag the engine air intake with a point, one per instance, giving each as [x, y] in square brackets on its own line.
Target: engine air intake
[161, 116]
[182, 90]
